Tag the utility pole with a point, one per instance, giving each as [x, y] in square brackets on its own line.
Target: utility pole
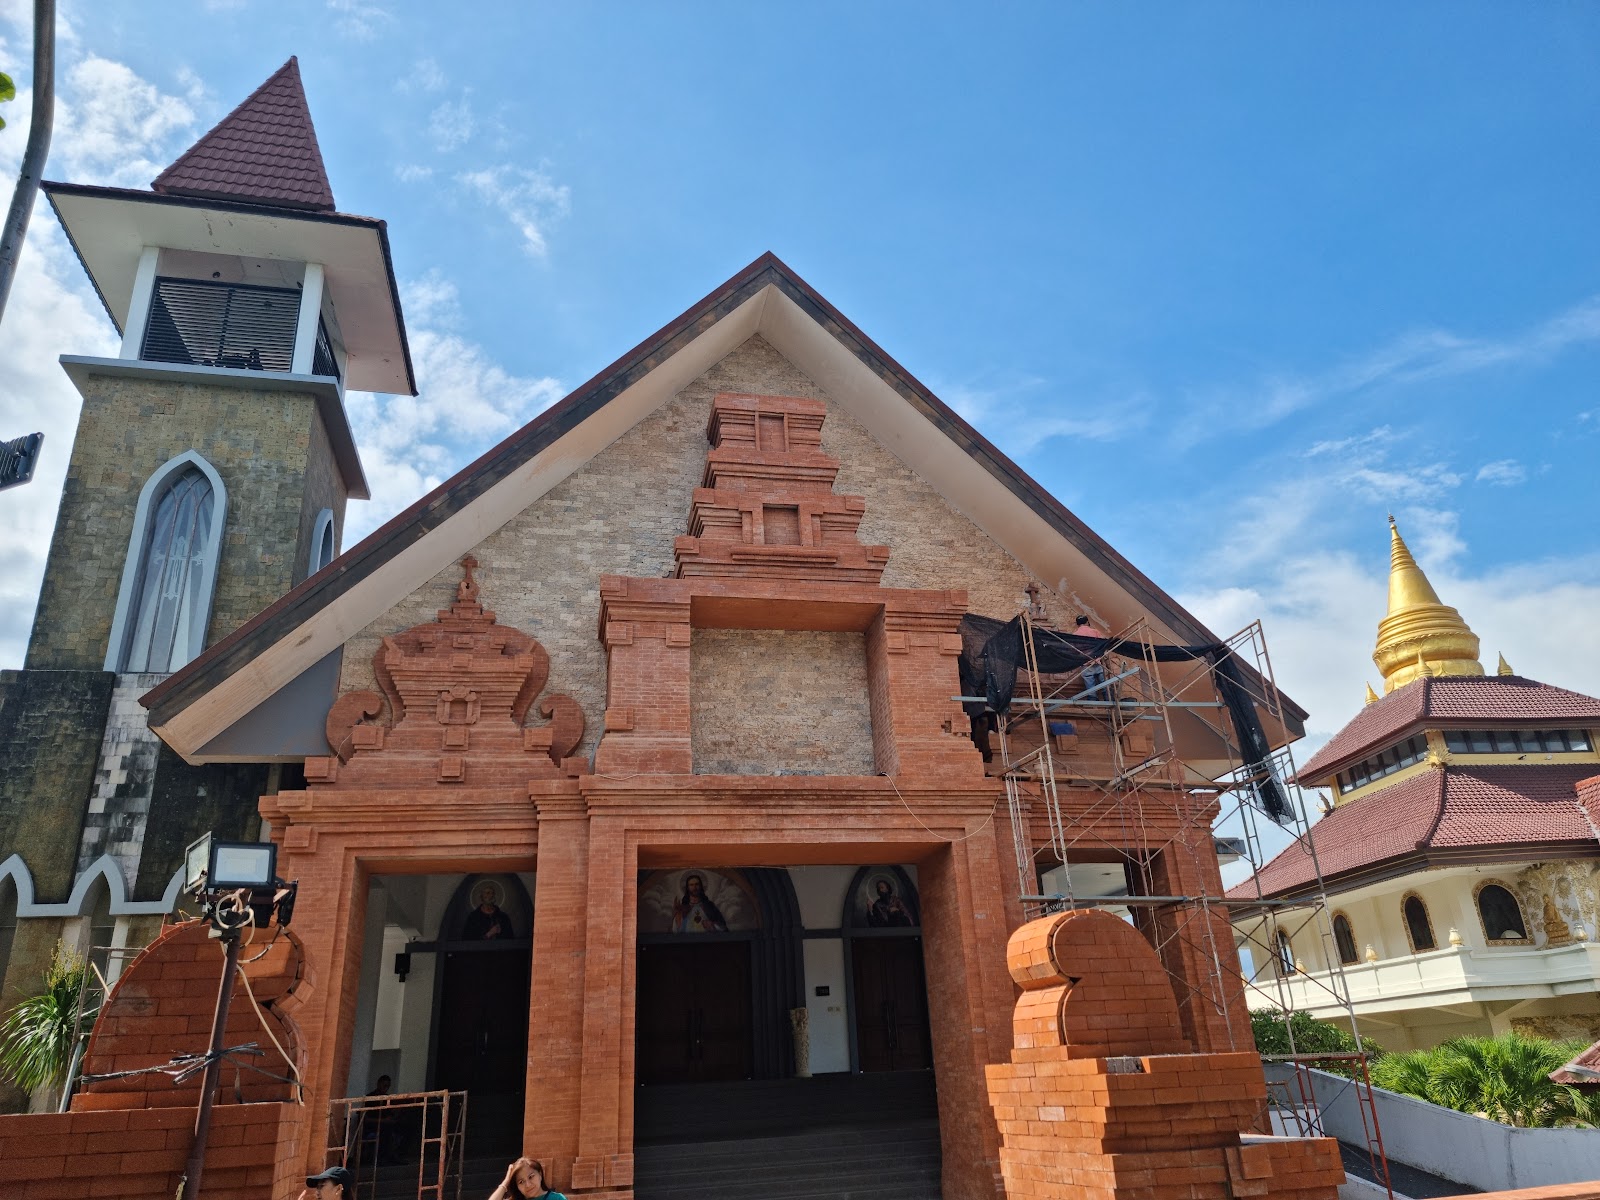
[38, 148]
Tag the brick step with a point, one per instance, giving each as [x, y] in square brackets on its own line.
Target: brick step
[755, 1108]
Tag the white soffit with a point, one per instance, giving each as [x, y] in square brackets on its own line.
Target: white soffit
[109, 232]
[351, 612]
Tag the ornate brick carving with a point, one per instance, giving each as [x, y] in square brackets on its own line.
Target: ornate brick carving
[456, 691]
[766, 508]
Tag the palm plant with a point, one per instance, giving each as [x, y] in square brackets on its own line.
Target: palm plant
[1503, 1078]
[36, 1037]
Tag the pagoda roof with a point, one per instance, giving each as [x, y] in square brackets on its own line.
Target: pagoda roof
[1583, 1071]
[1438, 817]
[264, 152]
[1456, 701]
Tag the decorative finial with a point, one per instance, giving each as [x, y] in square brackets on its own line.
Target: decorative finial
[1504, 668]
[1420, 635]
[467, 589]
[1372, 696]
[1455, 937]
[1372, 955]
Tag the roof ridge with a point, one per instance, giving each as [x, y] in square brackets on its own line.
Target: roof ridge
[263, 152]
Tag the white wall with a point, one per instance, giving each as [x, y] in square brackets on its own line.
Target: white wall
[820, 892]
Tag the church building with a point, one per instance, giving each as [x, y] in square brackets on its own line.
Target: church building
[1460, 851]
[625, 777]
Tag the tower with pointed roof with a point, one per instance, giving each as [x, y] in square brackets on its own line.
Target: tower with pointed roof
[210, 473]
[1460, 850]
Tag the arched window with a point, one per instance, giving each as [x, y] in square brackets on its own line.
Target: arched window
[1418, 926]
[322, 547]
[1285, 954]
[1344, 939]
[8, 919]
[171, 572]
[1501, 914]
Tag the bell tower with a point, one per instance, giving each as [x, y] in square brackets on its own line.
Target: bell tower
[214, 457]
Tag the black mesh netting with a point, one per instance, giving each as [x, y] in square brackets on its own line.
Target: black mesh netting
[991, 654]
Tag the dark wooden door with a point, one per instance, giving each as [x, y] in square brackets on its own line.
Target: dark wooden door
[693, 1017]
[891, 1003]
[483, 1023]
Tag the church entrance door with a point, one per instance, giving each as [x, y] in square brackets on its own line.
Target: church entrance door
[891, 1004]
[694, 1012]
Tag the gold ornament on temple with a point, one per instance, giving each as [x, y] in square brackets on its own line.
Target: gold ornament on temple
[1504, 668]
[1372, 696]
[1555, 929]
[1420, 635]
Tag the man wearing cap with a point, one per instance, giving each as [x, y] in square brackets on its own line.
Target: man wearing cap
[336, 1183]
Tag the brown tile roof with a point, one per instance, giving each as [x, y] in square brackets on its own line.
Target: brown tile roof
[1463, 701]
[1583, 1070]
[263, 152]
[1434, 817]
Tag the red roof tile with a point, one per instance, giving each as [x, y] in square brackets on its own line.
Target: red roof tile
[263, 152]
[1583, 1070]
[1461, 701]
[1443, 811]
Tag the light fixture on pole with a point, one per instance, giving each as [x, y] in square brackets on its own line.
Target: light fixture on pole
[238, 886]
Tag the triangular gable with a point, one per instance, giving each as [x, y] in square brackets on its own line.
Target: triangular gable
[766, 298]
[263, 152]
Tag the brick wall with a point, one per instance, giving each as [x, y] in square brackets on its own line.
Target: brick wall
[137, 1154]
[259, 441]
[620, 513]
[51, 723]
[767, 701]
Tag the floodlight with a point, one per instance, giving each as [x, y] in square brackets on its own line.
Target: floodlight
[195, 861]
[250, 865]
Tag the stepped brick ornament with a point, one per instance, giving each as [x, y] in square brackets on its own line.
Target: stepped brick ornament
[263, 152]
[766, 508]
[456, 690]
[1103, 1101]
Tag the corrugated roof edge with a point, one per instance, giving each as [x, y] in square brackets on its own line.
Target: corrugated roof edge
[376, 224]
[275, 621]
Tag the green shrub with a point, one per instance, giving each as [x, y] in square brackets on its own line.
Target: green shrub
[36, 1036]
[1504, 1078]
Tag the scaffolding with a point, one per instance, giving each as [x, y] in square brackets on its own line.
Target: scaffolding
[1093, 773]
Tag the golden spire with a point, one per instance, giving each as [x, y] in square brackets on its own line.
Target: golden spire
[1504, 668]
[1372, 696]
[1420, 635]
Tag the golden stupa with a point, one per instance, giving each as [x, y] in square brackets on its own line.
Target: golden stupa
[1420, 635]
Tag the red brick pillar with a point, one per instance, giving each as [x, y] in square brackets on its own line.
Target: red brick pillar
[970, 995]
[551, 1116]
[329, 918]
[1196, 941]
[647, 682]
[604, 1166]
[912, 648]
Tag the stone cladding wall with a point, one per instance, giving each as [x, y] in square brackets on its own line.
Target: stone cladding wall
[779, 702]
[620, 513]
[51, 725]
[123, 780]
[260, 442]
[324, 488]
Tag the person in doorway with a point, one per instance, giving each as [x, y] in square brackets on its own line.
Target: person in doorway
[336, 1183]
[487, 921]
[525, 1181]
[696, 913]
[1094, 673]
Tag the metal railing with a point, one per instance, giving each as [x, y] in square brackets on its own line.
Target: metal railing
[206, 323]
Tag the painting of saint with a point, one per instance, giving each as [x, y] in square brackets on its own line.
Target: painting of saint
[487, 921]
[887, 911]
[695, 912]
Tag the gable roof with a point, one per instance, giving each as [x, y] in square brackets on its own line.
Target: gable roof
[766, 298]
[1435, 817]
[264, 152]
[1461, 701]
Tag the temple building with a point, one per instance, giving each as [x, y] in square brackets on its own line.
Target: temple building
[1459, 852]
[632, 781]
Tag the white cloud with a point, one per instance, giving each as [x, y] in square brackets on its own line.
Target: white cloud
[450, 125]
[465, 403]
[1505, 472]
[359, 19]
[428, 75]
[529, 199]
[114, 127]
[412, 172]
[1019, 420]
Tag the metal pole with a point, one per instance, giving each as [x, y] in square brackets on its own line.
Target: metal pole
[208, 1081]
[38, 148]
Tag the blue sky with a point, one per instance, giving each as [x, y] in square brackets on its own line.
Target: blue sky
[1233, 281]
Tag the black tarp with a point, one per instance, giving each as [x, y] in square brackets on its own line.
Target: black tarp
[991, 655]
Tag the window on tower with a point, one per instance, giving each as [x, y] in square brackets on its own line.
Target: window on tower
[171, 571]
